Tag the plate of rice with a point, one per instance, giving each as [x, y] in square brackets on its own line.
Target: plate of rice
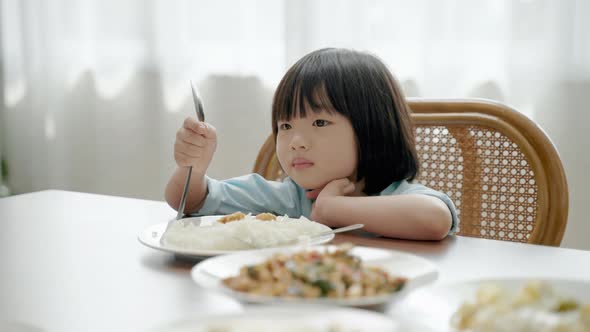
[343, 275]
[216, 235]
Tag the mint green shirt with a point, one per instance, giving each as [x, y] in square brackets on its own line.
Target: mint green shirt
[254, 194]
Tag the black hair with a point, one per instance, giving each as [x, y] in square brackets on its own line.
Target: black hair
[359, 86]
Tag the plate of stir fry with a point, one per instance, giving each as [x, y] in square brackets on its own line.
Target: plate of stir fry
[340, 275]
[498, 305]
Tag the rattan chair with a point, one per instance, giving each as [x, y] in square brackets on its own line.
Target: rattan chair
[499, 167]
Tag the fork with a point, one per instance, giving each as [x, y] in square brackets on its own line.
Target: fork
[320, 235]
[201, 117]
[309, 239]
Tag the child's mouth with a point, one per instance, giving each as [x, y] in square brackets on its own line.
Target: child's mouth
[301, 163]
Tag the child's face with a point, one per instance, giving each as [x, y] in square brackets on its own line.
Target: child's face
[317, 149]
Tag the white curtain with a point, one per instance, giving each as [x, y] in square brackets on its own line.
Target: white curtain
[92, 91]
[95, 90]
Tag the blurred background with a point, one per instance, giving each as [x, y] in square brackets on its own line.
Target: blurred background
[93, 91]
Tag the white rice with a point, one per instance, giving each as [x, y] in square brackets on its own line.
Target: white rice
[247, 233]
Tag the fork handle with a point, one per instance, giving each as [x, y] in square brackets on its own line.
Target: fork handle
[184, 194]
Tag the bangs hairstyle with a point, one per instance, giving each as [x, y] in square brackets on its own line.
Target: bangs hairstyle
[361, 88]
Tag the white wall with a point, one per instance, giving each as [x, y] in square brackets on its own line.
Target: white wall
[564, 115]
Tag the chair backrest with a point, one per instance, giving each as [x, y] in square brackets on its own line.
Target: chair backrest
[498, 166]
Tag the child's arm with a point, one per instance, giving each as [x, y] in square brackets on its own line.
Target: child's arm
[254, 194]
[194, 146]
[407, 216]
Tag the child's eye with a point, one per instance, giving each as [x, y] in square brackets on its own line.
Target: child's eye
[321, 123]
[284, 126]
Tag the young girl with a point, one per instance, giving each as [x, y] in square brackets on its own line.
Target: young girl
[344, 138]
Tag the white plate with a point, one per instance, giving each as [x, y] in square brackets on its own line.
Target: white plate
[432, 307]
[288, 318]
[152, 236]
[209, 273]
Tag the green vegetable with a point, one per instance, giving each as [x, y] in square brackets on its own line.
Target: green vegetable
[324, 285]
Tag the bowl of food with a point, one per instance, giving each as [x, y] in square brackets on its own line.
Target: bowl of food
[498, 305]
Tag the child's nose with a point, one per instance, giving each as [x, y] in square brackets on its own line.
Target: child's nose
[299, 143]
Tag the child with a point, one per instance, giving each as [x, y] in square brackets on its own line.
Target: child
[344, 138]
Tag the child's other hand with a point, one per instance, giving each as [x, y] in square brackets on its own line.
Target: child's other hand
[334, 188]
[339, 187]
[195, 145]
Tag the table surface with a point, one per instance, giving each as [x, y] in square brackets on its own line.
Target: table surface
[71, 262]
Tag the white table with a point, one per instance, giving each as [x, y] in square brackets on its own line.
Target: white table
[71, 262]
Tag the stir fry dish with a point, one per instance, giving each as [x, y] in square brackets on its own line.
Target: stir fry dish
[537, 306]
[315, 274]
